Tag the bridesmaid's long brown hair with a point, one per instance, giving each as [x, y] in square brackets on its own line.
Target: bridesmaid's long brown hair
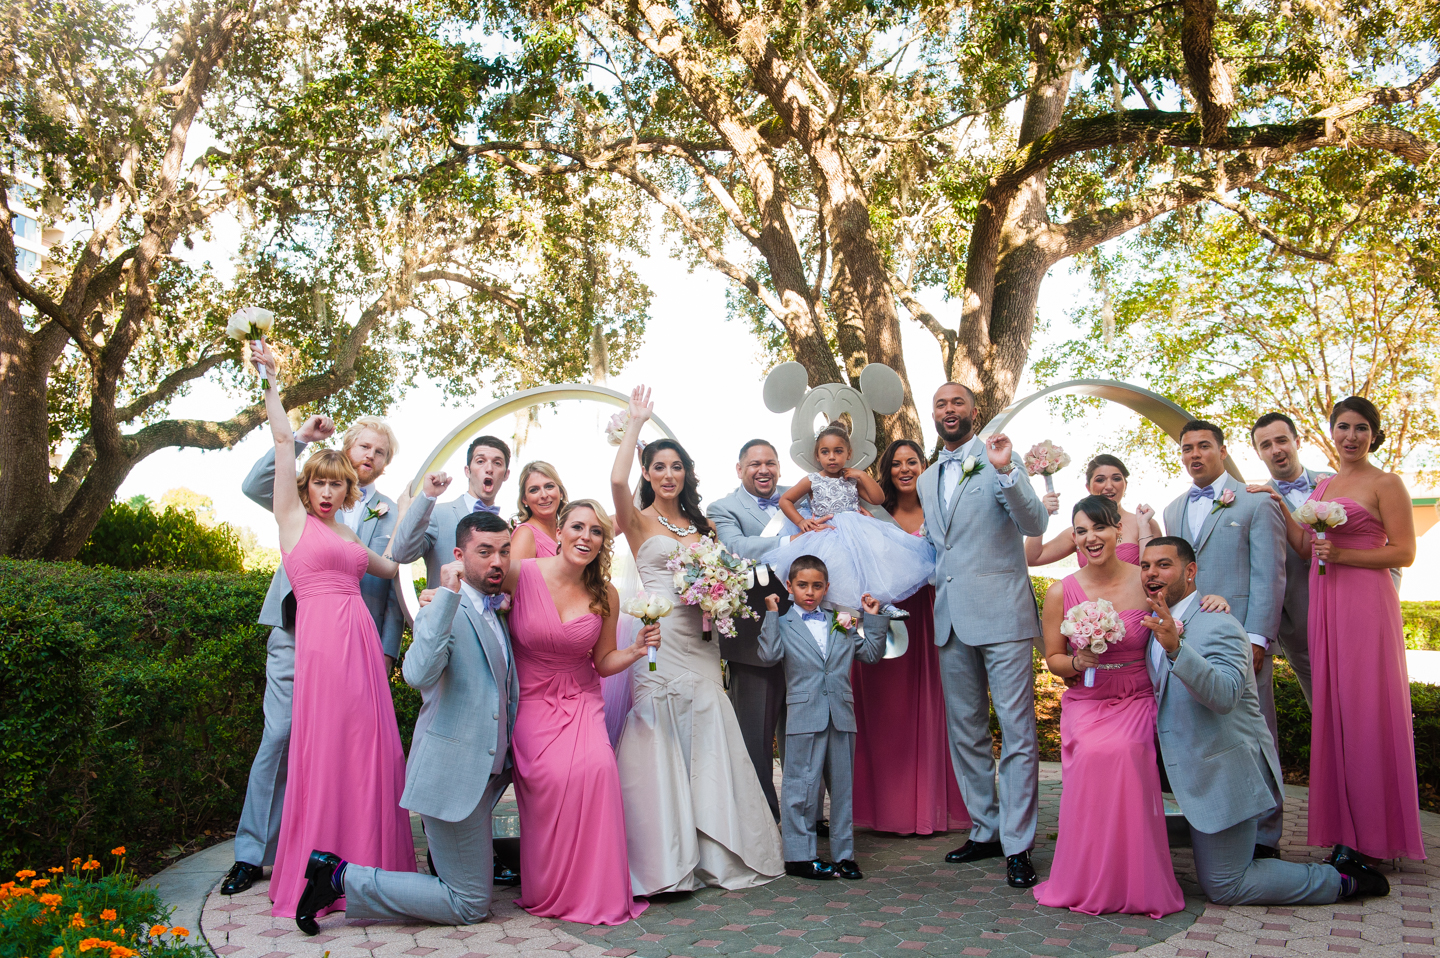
[596, 576]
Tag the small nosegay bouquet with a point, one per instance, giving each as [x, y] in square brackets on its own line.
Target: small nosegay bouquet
[649, 609]
[1093, 625]
[1320, 516]
[1045, 459]
[251, 323]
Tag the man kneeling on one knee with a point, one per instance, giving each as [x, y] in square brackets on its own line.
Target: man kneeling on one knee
[460, 761]
[1218, 752]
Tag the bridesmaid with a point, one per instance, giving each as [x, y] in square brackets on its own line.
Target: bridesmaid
[562, 625]
[1104, 476]
[542, 499]
[904, 781]
[1112, 854]
[1362, 743]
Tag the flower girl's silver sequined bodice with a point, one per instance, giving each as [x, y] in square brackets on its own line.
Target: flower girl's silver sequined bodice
[830, 497]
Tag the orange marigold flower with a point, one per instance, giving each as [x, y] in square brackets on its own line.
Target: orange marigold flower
[157, 930]
[120, 951]
[25, 873]
[57, 870]
[89, 866]
[179, 932]
[50, 901]
[75, 862]
[77, 920]
[40, 883]
[107, 915]
[57, 952]
[18, 892]
[89, 943]
[118, 851]
[118, 930]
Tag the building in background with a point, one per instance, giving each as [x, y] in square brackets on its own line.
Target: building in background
[32, 240]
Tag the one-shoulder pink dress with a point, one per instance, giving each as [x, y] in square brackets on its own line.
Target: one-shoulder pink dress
[572, 821]
[545, 547]
[1362, 741]
[1112, 853]
[346, 768]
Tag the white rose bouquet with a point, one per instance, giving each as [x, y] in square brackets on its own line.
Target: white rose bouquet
[1320, 516]
[714, 578]
[649, 609]
[251, 323]
[1045, 459]
[1093, 625]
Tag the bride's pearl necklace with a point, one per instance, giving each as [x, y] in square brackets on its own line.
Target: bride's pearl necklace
[682, 533]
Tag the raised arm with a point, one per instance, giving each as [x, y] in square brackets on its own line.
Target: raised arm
[612, 661]
[381, 567]
[429, 652]
[1014, 491]
[627, 517]
[414, 534]
[288, 510]
[1040, 552]
[1215, 668]
[769, 649]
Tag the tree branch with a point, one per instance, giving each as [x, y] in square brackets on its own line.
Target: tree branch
[1274, 238]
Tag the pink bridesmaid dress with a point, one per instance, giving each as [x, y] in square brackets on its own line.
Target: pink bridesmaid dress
[346, 768]
[1112, 854]
[904, 780]
[1363, 791]
[545, 546]
[572, 822]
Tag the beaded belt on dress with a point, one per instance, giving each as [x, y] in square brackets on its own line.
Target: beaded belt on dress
[1118, 665]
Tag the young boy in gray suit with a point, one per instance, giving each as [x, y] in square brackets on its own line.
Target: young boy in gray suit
[817, 648]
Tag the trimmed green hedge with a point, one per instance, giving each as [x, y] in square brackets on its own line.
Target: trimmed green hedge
[134, 536]
[1422, 625]
[132, 707]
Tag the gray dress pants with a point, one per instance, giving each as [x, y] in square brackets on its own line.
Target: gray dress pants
[464, 856]
[1270, 825]
[1229, 875]
[259, 828]
[974, 676]
[813, 761]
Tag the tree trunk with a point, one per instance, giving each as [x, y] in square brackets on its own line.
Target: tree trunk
[25, 518]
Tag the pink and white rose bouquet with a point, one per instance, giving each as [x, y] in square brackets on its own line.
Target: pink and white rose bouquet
[714, 578]
[1093, 625]
[1045, 459]
[1320, 516]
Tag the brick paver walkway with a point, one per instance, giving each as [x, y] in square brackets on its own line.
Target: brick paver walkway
[909, 902]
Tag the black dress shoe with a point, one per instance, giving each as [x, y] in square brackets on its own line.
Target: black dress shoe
[1369, 883]
[847, 869]
[822, 828]
[1019, 873]
[1265, 851]
[319, 890]
[974, 852]
[240, 877]
[816, 869]
[504, 874]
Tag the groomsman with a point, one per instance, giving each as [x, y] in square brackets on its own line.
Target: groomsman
[978, 510]
[370, 445]
[1239, 537]
[487, 466]
[460, 764]
[1278, 445]
[757, 690]
[1218, 755]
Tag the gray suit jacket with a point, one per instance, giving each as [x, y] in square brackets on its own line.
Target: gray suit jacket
[1213, 739]
[982, 584]
[378, 594]
[1296, 609]
[428, 529]
[818, 691]
[738, 523]
[465, 726]
[1241, 554]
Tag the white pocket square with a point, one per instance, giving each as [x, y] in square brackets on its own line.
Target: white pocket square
[1234, 524]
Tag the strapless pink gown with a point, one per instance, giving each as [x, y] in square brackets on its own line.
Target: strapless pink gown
[346, 766]
[1112, 853]
[1125, 552]
[1362, 741]
[573, 854]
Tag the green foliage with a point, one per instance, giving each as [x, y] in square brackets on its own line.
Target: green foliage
[134, 537]
[68, 911]
[1422, 625]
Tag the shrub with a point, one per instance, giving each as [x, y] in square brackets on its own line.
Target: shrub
[1422, 625]
[133, 536]
[79, 910]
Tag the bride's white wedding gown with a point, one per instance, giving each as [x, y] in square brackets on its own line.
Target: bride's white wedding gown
[694, 812]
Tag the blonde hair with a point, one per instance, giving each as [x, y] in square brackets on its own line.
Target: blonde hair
[328, 464]
[596, 576]
[548, 471]
[375, 424]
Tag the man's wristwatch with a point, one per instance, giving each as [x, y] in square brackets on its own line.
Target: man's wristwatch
[1179, 643]
[1009, 468]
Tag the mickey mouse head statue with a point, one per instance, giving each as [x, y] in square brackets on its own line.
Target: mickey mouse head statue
[881, 391]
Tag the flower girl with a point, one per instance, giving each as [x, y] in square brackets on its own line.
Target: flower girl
[863, 554]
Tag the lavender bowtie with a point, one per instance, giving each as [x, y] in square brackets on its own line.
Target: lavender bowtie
[816, 616]
[1207, 493]
[771, 503]
[1299, 485]
[494, 602]
[481, 507]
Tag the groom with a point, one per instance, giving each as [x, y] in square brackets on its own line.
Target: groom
[459, 764]
[979, 507]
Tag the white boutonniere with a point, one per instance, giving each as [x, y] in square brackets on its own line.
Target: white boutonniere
[842, 623]
[375, 512]
[969, 467]
[1226, 500]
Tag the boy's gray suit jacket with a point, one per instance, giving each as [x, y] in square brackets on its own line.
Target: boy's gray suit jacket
[1213, 740]
[982, 583]
[462, 736]
[818, 690]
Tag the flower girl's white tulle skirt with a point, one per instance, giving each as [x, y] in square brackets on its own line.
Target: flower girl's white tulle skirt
[862, 555]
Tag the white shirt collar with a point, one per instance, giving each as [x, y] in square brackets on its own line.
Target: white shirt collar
[1183, 606]
[820, 631]
[477, 600]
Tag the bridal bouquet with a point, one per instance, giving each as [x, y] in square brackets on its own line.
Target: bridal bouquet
[251, 323]
[649, 609]
[615, 428]
[712, 577]
[1094, 625]
[1320, 516]
[1046, 459]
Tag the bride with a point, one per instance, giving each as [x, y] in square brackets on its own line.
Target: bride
[681, 730]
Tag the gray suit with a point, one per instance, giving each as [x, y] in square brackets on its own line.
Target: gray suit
[1222, 765]
[259, 828]
[985, 622]
[756, 690]
[459, 767]
[428, 530]
[819, 725]
[1294, 635]
[1240, 550]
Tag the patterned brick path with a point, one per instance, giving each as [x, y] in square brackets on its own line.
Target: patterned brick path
[909, 902]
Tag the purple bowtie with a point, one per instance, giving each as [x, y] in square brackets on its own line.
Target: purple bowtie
[1299, 485]
[771, 503]
[481, 507]
[816, 616]
[1207, 493]
[493, 602]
